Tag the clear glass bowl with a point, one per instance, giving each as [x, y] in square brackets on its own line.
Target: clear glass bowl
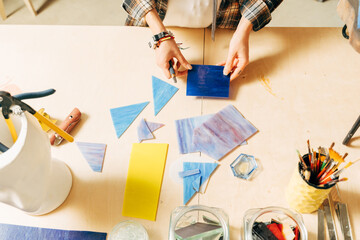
[128, 230]
[186, 216]
[265, 214]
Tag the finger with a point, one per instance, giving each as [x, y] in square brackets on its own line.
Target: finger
[166, 71]
[240, 68]
[235, 74]
[183, 61]
[176, 68]
[221, 63]
[229, 63]
[182, 73]
[236, 62]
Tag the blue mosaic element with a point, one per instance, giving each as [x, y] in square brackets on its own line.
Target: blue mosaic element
[196, 184]
[154, 126]
[207, 81]
[123, 116]
[144, 132]
[244, 166]
[206, 169]
[223, 132]
[162, 93]
[185, 132]
[189, 173]
[93, 153]
[9, 232]
[358, 20]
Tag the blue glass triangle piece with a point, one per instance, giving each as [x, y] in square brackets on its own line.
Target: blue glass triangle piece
[123, 116]
[162, 93]
[93, 154]
[206, 169]
[154, 126]
[144, 132]
[196, 184]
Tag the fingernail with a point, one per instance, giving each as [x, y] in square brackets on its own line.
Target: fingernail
[225, 72]
[189, 67]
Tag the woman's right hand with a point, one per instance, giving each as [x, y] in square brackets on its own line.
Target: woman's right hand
[167, 51]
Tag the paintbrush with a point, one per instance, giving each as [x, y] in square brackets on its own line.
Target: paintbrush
[305, 166]
[333, 182]
[309, 154]
[338, 172]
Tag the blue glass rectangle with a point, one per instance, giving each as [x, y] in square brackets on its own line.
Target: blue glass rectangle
[11, 232]
[207, 81]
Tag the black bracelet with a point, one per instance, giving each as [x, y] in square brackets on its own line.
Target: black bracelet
[157, 37]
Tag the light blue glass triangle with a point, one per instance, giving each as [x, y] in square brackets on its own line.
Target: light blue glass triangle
[206, 169]
[123, 116]
[144, 132]
[93, 154]
[154, 126]
[162, 93]
[196, 184]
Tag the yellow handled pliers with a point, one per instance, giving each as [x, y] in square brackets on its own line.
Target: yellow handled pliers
[6, 101]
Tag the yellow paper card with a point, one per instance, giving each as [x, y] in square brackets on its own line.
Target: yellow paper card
[143, 184]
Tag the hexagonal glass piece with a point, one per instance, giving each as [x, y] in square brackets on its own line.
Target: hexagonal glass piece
[244, 166]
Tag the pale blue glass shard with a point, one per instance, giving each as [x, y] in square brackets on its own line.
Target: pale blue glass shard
[162, 93]
[93, 153]
[189, 173]
[154, 126]
[358, 17]
[207, 81]
[123, 116]
[8, 231]
[144, 133]
[196, 184]
[185, 132]
[206, 169]
[222, 133]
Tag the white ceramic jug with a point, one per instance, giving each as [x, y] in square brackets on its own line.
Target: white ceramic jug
[30, 179]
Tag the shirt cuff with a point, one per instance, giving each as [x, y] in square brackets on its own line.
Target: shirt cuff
[257, 12]
[138, 9]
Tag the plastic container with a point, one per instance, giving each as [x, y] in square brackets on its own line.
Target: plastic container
[30, 179]
[278, 213]
[186, 216]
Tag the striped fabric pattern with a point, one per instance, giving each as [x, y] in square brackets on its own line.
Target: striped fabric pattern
[258, 12]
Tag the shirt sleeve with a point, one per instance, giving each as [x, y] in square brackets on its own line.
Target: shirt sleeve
[258, 12]
[137, 9]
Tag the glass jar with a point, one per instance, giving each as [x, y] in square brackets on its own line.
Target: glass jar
[187, 217]
[128, 230]
[265, 214]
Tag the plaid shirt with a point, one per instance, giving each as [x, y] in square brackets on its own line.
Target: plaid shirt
[258, 12]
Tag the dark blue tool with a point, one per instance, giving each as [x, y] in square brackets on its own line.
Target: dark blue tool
[172, 71]
[3, 148]
[31, 95]
[352, 131]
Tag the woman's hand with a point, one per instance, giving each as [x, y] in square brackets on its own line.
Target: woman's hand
[238, 55]
[168, 50]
